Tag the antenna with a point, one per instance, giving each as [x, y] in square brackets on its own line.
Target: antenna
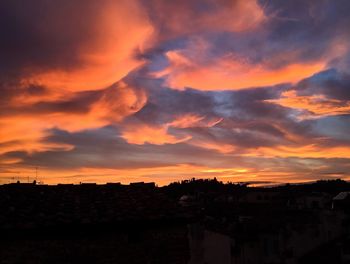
[15, 175]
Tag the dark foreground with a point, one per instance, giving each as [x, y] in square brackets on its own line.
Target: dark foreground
[197, 221]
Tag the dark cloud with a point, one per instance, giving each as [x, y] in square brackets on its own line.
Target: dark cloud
[331, 83]
[104, 148]
[165, 104]
[78, 103]
[43, 34]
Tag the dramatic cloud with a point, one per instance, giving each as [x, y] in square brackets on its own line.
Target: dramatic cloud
[131, 90]
[230, 71]
[71, 44]
[324, 94]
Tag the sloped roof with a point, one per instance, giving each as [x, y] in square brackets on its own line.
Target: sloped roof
[341, 196]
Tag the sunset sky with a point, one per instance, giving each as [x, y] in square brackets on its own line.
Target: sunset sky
[157, 90]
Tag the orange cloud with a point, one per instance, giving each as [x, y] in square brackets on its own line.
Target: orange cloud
[25, 131]
[157, 135]
[118, 102]
[217, 146]
[312, 150]
[317, 105]
[25, 134]
[192, 120]
[110, 55]
[230, 72]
